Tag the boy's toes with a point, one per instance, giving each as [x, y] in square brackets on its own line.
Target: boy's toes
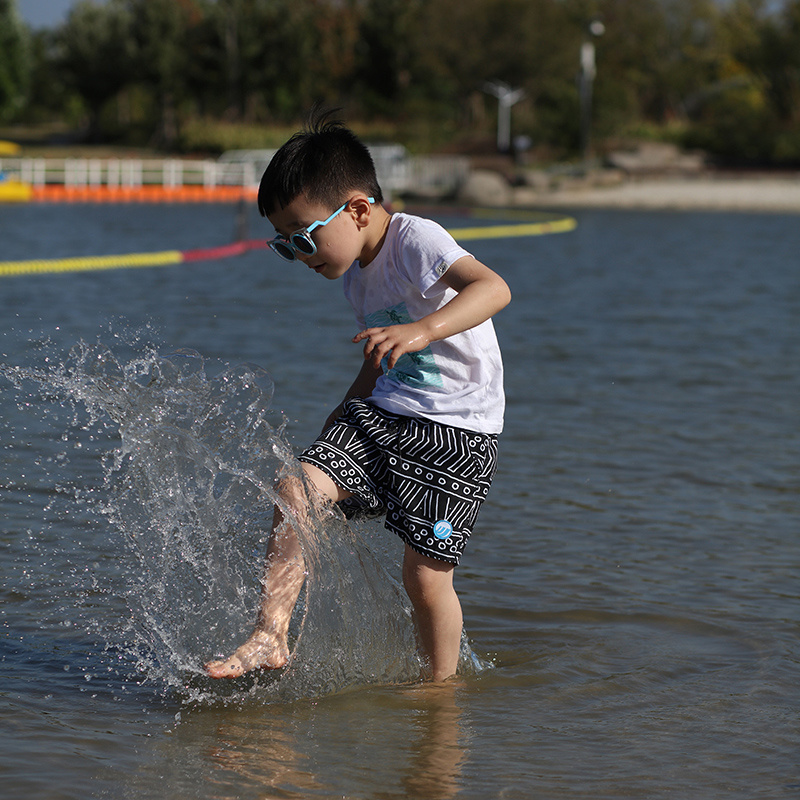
[261, 651]
[232, 668]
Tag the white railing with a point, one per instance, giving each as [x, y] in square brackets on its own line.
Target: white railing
[398, 173]
[128, 172]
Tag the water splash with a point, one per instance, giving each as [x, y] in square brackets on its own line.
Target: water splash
[189, 489]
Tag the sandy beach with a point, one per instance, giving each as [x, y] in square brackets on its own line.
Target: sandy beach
[707, 192]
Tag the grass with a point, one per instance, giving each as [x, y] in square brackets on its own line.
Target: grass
[211, 137]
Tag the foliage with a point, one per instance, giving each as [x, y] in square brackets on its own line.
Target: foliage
[94, 53]
[751, 114]
[14, 61]
[188, 73]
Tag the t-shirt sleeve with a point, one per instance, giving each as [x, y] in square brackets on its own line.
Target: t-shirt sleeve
[427, 251]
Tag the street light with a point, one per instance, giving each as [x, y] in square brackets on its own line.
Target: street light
[506, 97]
[587, 76]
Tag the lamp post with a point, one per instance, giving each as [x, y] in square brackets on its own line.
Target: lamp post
[587, 76]
[506, 97]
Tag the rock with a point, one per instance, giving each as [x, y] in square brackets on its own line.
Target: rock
[537, 179]
[656, 158]
[485, 188]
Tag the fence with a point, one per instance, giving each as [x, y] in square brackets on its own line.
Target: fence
[234, 174]
[132, 172]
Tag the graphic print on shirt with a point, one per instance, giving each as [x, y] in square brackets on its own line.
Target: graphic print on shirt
[414, 369]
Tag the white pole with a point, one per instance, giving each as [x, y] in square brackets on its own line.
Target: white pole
[588, 73]
[506, 98]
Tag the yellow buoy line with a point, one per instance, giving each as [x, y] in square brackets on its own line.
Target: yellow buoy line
[38, 266]
[170, 257]
[509, 231]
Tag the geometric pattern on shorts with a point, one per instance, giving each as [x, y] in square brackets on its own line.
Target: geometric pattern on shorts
[429, 479]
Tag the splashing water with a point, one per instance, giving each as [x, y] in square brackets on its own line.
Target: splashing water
[190, 488]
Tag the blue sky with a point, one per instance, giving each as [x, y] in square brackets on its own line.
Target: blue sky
[49, 13]
[44, 13]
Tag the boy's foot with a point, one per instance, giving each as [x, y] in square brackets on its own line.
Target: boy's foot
[261, 651]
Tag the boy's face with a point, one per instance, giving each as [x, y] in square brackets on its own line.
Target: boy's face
[338, 243]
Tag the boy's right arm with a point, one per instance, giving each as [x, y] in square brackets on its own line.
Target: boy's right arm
[362, 386]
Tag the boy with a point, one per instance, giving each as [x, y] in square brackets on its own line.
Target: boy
[416, 433]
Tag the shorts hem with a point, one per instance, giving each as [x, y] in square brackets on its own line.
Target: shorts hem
[449, 558]
[323, 468]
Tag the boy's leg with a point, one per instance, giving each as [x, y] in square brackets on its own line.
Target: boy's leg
[281, 582]
[437, 610]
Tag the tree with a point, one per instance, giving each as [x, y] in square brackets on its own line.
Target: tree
[751, 113]
[382, 71]
[14, 61]
[95, 55]
[163, 32]
[461, 44]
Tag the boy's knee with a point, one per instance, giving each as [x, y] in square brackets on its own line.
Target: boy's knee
[288, 486]
[291, 492]
[425, 578]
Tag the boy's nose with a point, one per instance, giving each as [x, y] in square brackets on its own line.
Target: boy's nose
[304, 257]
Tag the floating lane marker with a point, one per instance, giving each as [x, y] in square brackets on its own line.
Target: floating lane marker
[171, 257]
[131, 260]
[509, 231]
[8, 268]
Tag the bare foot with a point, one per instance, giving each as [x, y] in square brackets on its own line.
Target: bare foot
[262, 650]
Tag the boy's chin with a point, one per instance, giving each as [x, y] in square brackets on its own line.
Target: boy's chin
[330, 272]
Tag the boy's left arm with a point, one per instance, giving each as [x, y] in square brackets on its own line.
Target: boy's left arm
[481, 294]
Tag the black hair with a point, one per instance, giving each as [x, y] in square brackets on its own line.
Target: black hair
[325, 161]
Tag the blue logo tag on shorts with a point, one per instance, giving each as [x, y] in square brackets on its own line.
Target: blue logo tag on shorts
[442, 529]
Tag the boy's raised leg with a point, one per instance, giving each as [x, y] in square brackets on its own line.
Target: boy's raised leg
[282, 580]
[284, 574]
[437, 611]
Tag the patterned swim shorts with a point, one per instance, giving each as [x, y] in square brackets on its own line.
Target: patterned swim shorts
[429, 479]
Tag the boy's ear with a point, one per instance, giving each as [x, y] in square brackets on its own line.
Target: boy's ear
[361, 207]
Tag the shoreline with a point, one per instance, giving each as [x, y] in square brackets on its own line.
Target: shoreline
[696, 193]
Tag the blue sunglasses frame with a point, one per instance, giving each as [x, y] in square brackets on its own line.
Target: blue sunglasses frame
[301, 241]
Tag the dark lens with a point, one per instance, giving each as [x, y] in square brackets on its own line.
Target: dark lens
[304, 244]
[283, 249]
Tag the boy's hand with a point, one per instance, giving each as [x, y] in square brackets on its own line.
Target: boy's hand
[393, 341]
[480, 293]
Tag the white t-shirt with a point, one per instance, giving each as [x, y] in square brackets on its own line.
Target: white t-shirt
[457, 381]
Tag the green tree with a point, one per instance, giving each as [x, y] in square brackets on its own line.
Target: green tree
[294, 54]
[96, 55]
[751, 113]
[164, 32]
[531, 44]
[382, 70]
[14, 61]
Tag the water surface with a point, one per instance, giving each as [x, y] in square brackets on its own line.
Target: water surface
[632, 579]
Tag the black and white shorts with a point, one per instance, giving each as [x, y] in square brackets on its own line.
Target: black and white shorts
[429, 479]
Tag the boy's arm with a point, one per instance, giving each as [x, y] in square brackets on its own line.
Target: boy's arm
[481, 294]
[362, 386]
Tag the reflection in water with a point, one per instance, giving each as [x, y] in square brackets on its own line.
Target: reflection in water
[382, 742]
[439, 747]
[260, 748]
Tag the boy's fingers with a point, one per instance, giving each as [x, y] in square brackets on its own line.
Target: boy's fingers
[366, 334]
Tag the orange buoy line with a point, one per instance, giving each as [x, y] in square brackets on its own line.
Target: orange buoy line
[146, 193]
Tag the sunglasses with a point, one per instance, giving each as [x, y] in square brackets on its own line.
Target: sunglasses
[301, 241]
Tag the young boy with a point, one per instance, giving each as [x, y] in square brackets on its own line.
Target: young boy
[416, 433]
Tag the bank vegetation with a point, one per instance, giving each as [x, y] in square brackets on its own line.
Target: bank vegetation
[211, 75]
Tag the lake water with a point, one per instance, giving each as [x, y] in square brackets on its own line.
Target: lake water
[630, 593]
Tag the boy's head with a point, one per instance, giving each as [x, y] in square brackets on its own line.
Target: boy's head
[326, 162]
